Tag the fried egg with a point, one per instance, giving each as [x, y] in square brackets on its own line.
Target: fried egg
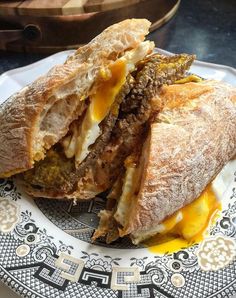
[113, 79]
[182, 229]
[188, 225]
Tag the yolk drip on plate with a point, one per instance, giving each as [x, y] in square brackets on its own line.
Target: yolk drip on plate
[187, 226]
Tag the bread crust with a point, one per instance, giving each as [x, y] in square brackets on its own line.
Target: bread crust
[190, 141]
[21, 138]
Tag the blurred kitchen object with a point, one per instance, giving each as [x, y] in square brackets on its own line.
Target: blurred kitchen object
[51, 26]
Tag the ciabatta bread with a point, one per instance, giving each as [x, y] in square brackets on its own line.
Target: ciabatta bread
[119, 133]
[188, 144]
[38, 116]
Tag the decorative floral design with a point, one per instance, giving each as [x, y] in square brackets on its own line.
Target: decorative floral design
[99, 264]
[215, 230]
[163, 259]
[159, 277]
[177, 280]
[228, 226]
[175, 265]
[187, 258]
[26, 216]
[159, 274]
[7, 188]
[113, 260]
[64, 248]
[216, 253]
[22, 250]
[15, 195]
[6, 185]
[26, 229]
[231, 209]
[31, 238]
[159, 270]
[234, 193]
[8, 215]
[138, 262]
[42, 251]
[44, 237]
[235, 176]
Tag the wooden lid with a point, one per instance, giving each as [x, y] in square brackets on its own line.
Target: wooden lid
[28, 26]
[61, 7]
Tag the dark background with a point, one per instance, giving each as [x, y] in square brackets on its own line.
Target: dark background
[204, 27]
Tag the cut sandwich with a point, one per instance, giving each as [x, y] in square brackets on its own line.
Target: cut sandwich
[68, 134]
[187, 144]
[118, 117]
[121, 130]
[40, 114]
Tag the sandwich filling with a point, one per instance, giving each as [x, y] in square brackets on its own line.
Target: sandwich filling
[112, 80]
[114, 123]
[165, 192]
[185, 227]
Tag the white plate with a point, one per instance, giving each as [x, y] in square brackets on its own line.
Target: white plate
[45, 248]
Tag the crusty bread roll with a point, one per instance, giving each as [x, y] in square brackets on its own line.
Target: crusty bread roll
[67, 135]
[29, 122]
[121, 131]
[188, 143]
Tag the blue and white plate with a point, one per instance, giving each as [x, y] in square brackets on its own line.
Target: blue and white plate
[45, 247]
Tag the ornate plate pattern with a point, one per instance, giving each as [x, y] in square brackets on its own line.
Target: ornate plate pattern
[45, 248]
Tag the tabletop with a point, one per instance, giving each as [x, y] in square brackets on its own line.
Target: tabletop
[206, 28]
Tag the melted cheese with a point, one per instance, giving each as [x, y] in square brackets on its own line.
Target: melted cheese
[190, 78]
[192, 228]
[112, 79]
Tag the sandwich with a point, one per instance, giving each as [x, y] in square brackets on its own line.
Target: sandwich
[187, 144]
[119, 118]
[59, 134]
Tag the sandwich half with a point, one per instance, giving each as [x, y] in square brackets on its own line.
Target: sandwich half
[187, 144]
[67, 134]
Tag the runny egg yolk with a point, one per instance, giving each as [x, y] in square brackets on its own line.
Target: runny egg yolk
[103, 101]
[105, 95]
[100, 105]
[187, 226]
